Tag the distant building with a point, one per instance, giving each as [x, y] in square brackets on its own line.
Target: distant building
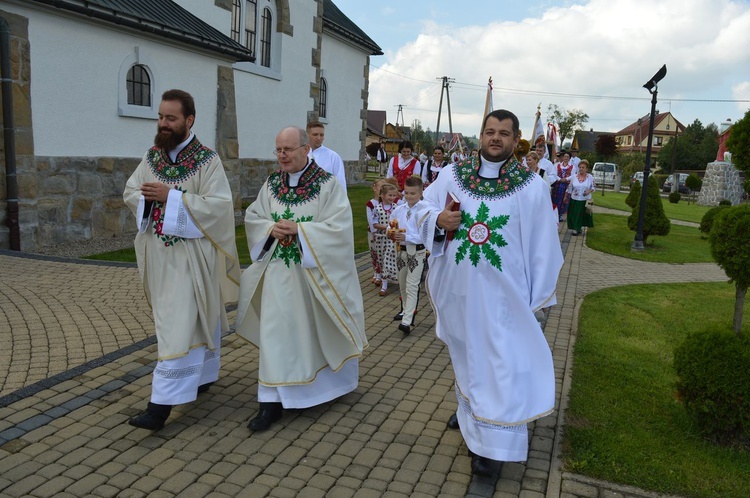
[634, 137]
[585, 141]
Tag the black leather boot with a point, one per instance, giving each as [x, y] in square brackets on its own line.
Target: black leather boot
[483, 466]
[153, 418]
[267, 415]
[452, 422]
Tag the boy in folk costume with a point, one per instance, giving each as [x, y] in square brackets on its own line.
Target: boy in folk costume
[411, 254]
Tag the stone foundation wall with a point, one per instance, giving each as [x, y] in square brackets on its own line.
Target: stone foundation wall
[721, 181]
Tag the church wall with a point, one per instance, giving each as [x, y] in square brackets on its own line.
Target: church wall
[343, 68]
[217, 14]
[75, 85]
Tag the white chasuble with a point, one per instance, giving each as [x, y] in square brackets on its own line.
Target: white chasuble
[501, 265]
[189, 275]
[300, 300]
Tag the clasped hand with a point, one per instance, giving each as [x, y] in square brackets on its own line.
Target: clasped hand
[448, 219]
[155, 191]
[284, 229]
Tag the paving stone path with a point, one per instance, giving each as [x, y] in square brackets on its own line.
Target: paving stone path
[75, 364]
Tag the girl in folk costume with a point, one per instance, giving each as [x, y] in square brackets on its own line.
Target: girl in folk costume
[560, 187]
[385, 248]
[435, 165]
[404, 165]
[371, 205]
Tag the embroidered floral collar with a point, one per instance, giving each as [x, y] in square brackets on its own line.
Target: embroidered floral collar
[189, 162]
[306, 190]
[513, 176]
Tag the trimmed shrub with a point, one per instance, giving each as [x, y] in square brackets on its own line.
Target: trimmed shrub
[713, 370]
[708, 219]
[655, 222]
[674, 197]
[725, 202]
[693, 182]
[634, 197]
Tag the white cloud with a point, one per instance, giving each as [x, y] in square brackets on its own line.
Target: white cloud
[602, 48]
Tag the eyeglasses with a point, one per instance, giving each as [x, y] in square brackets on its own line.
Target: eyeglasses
[286, 150]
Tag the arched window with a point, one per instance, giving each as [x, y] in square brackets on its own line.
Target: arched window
[139, 86]
[323, 98]
[265, 38]
[236, 20]
[254, 25]
[251, 24]
[137, 83]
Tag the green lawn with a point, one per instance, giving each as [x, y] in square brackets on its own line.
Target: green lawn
[624, 423]
[681, 211]
[611, 234]
[358, 197]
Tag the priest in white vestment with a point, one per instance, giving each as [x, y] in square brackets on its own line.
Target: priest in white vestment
[187, 257]
[498, 264]
[324, 157]
[300, 301]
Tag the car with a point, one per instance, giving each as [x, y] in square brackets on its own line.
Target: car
[637, 176]
[604, 173]
[681, 187]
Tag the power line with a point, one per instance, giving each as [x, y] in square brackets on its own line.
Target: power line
[474, 86]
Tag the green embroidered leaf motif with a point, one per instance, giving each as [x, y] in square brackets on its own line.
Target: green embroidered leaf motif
[461, 233]
[275, 216]
[288, 214]
[461, 252]
[474, 254]
[497, 239]
[492, 256]
[483, 212]
[498, 221]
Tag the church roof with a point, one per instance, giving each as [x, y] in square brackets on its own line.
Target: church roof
[160, 17]
[336, 21]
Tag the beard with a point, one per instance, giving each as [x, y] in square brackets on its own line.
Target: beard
[169, 139]
[496, 159]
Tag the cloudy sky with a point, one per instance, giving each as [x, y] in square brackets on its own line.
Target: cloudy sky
[591, 55]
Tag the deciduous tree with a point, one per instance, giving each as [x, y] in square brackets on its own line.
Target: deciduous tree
[567, 121]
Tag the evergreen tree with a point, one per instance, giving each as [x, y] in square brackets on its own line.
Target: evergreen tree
[738, 144]
[655, 222]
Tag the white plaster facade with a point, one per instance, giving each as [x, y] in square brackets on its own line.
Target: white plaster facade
[81, 124]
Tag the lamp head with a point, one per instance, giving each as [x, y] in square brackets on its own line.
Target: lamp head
[660, 74]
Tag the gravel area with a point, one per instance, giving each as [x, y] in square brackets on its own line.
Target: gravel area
[82, 248]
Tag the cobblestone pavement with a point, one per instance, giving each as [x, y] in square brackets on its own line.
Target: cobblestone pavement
[76, 360]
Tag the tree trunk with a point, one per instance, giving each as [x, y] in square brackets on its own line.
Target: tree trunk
[739, 303]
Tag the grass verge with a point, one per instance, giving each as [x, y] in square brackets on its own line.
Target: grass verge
[683, 244]
[681, 211]
[624, 423]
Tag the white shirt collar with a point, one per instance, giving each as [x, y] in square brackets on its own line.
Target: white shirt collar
[489, 169]
[294, 177]
[176, 151]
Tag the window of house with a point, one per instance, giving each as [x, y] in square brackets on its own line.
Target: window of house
[323, 98]
[138, 84]
[659, 140]
[630, 139]
[254, 22]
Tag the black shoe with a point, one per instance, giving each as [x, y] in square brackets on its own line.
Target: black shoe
[452, 422]
[405, 329]
[153, 418]
[268, 414]
[204, 388]
[575, 233]
[398, 317]
[482, 466]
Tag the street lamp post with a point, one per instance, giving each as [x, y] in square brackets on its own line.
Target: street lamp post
[652, 86]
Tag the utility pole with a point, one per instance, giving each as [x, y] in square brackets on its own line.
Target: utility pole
[400, 112]
[446, 82]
